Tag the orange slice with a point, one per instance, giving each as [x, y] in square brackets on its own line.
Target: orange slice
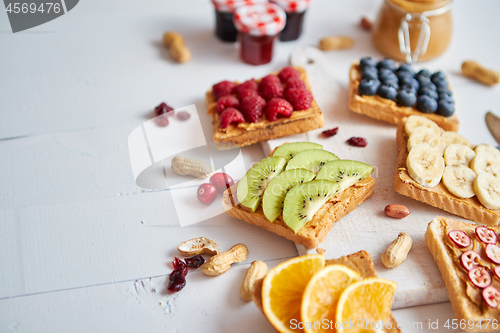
[365, 303]
[321, 296]
[283, 287]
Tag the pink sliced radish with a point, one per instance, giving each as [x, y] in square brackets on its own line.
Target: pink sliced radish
[460, 238]
[470, 259]
[480, 277]
[497, 271]
[486, 235]
[493, 253]
[491, 296]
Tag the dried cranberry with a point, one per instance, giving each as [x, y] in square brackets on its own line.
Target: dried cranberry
[183, 115]
[162, 109]
[162, 120]
[194, 262]
[330, 132]
[357, 142]
[178, 264]
[177, 280]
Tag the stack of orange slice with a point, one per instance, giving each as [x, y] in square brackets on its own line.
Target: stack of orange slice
[302, 294]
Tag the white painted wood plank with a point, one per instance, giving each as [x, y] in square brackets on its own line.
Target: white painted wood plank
[101, 241]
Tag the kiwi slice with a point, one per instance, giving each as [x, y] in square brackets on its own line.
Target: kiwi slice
[253, 184]
[289, 150]
[345, 172]
[304, 200]
[311, 160]
[272, 200]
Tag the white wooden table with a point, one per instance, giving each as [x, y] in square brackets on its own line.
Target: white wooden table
[82, 247]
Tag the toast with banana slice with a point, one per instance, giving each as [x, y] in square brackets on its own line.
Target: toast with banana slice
[444, 170]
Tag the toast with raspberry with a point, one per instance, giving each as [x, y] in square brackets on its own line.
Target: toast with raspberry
[278, 105]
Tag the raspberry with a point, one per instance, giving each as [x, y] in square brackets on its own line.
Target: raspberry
[246, 92]
[269, 79]
[223, 88]
[252, 107]
[295, 82]
[229, 116]
[301, 99]
[287, 73]
[278, 106]
[270, 90]
[247, 85]
[227, 101]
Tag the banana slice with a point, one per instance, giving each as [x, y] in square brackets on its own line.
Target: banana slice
[487, 189]
[425, 165]
[426, 135]
[485, 162]
[488, 149]
[458, 154]
[450, 137]
[458, 180]
[418, 121]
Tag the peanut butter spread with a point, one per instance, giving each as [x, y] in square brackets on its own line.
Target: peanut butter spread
[473, 293]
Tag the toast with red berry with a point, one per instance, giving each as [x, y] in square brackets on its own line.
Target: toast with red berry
[278, 105]
[380, 91]
[468, 257]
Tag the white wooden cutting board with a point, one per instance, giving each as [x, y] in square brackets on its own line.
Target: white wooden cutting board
[367, 227]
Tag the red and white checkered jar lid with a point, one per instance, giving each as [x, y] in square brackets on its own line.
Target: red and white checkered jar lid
[263, 19]
[229, 6]
[292, 6]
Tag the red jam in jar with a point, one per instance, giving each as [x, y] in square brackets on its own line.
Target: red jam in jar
[295, 11]
[224, 12]
[258, 26]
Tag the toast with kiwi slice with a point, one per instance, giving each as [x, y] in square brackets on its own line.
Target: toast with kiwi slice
[291, 196]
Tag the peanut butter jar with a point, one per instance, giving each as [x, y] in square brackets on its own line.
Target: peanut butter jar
[413, 30]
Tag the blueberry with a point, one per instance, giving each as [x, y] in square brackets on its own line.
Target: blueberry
[428, 92]
[424, 72]
[367, 62]
[426, 104]
[443, 91]
[368, 87]
[410, 81]
[386, 63]
[390, 83]
[387, 92]
[408, 87]
[386, 73]
[406, 68]
[446, 98]
[403, 74]
[438, 76]
[445, 108]
[369, 73]
[406, 98]
[441, 84]
[423, 80]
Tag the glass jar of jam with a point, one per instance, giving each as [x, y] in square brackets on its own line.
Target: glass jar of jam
[411, 30]
[224, 12]
[258, 26]
[295, 11]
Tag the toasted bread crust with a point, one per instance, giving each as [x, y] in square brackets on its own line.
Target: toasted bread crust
[243, 135]
[386, 110]
[437, 196]
[315, 231]
[463, 307]
[360, 262]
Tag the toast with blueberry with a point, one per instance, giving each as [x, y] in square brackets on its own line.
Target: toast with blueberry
[382, 91]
